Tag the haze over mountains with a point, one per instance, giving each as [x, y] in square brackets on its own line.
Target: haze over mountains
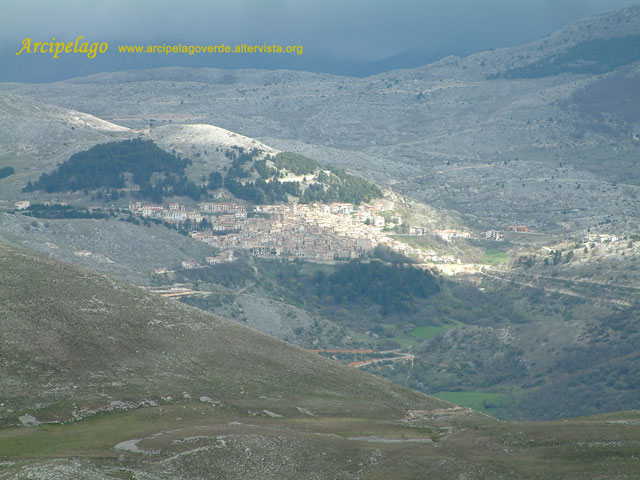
[537, 324]
[356, 38]
[442, 132]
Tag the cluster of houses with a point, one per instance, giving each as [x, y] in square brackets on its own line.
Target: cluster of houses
[321, 233]
[221, 216]
[601, 238]
[315, 232]
[498, 236]
[445, 235]
[450, 235]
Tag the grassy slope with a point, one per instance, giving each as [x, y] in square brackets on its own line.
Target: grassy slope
[479, 401]
[66, 330]
[72, 339]
[508, 339]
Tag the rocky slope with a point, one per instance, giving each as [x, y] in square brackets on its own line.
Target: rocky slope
[71, 337]
[148, 388]
[456, 133]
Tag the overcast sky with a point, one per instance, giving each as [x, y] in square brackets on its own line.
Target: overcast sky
[353, 30]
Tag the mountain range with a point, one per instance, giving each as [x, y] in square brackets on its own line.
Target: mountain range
[103, 377]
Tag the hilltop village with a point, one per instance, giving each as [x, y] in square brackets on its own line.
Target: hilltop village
[334, 232]
[317, 232]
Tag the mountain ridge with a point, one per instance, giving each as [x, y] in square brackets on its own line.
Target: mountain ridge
[97, 336]
[111, 381]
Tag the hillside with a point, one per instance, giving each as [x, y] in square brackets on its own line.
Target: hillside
[547, 347]
[288, 304]
[543, 135]
[446, 133]
[105, 165]
[35, 136]
[204, 144]
[275, 179]
[150, 388]
[141, 169]
[100, 338]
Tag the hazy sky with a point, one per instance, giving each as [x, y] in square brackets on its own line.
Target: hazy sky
[358, 30]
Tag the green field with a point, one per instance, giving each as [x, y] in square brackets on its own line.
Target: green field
[479, 401]
[430, 331]
[96, 436]
[404, 340]
[419, 334]
[494, 257]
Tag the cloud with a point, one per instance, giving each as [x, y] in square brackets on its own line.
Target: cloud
[342, 29]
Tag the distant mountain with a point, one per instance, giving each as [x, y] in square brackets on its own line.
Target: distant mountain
[406, 59]
[460, 134]
[44, 69]
[557, 152]
[35, 136]
[32, 127]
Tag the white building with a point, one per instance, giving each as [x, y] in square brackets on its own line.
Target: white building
[448, 235]
[378, 221]
[494, 235]
[190, 264]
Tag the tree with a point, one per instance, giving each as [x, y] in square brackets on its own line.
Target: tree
[215, 181]
[6, 171]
